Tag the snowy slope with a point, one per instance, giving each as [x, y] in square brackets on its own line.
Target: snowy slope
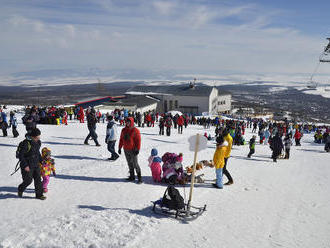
[89, 204]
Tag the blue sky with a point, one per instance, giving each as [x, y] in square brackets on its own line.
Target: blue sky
[200, 36]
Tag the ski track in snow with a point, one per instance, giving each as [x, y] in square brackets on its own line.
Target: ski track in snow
[89, 204]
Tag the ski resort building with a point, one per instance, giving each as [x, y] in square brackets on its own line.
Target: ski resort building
[133, 103]
[187, 98]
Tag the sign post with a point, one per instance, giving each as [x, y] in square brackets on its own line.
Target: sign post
[197, 143]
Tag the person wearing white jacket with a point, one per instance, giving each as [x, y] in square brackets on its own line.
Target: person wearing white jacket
[111, 137]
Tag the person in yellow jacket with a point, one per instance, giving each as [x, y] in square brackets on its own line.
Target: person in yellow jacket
[219, 161]
[229, 140]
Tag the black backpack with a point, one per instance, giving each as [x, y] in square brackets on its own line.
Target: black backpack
[172, 199]
[20, 147]
[18, 151]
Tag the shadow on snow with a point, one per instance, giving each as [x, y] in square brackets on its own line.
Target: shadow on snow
[7, 192]
[77, 157]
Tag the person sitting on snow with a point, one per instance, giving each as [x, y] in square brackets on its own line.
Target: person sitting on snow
[172, 167]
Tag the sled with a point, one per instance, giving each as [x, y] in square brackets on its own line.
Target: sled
[179, 214]
[176, 207]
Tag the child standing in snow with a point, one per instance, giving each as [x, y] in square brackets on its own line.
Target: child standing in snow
[252, 146]
[13, 124]
[154, 164]
[47, 166]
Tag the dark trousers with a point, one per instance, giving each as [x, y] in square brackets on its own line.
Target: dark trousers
[4, 131]
[111, 149]
[161, 130]
[180, 129]
[297, 142]
[15, 133]
[251, 152]
[226, 172]
[33, 174]
[132, 161]
[275, 154]
[168, 131]
[287, 153]
[92, 134]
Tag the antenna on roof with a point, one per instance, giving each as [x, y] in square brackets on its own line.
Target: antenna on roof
[192, 84]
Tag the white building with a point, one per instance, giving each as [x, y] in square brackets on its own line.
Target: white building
[187, 98]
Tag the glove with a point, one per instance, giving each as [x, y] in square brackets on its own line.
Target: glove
[119, 151]
[54, 173]
[136, 152]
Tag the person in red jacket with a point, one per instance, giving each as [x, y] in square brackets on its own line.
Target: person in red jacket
[148, 120]
[180, 122]
[297, 137]
[81, 115]
[130, 140]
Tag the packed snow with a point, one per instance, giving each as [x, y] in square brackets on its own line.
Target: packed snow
[90, 204]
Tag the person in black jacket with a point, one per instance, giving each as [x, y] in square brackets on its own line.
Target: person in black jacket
[277, 145]
[30, 158]
[161, 126]
[91, 124]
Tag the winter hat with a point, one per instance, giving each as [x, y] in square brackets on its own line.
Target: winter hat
[154, 152]
[35, 132]
[179, 158]
[45, 151]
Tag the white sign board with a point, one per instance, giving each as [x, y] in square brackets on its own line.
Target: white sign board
[202, 144]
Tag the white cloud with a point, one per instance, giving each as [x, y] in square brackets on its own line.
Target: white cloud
[147, 34]
[164, 7]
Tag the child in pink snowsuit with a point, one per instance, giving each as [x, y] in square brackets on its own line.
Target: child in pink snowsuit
[47, 166]
[154, 164]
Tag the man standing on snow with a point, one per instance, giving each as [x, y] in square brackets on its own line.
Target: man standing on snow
[111, 137]
[130, 139]
[277, 146]
[91, 124]
[29, 157]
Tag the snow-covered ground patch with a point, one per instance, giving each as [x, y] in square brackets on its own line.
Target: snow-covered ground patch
[322, 91]
[89, 204]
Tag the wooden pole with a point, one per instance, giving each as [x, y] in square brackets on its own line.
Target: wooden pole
[193, 175]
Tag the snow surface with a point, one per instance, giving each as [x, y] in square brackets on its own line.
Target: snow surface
[89, 204]
[322, 91]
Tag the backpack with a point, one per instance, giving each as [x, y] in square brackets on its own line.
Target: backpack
[172, 199]
[20, 147]
[18, 151]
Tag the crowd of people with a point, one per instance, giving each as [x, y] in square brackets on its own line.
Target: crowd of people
[279, 136]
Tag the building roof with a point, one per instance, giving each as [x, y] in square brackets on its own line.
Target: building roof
[179, 90]
[132, 100]
[91, 102]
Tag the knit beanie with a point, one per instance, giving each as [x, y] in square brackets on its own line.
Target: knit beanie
[35, 132]
[154, 152]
